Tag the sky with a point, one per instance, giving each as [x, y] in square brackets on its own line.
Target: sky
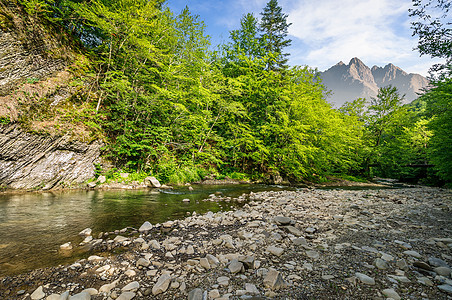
[324, 32]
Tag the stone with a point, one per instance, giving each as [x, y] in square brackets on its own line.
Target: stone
[81, 296]
[422, 265]
[91, 185]
[53, 297]
[214, 294]
[145, 227]
[235, 266]
[391, 293]
[365, 279]
[190, 250]
[436, 262]
[275, 250]
[162, 284]
[204, 262]
[38, 293]
[195, 294]
[223, 281]
[293, 230]
[91, 291]
[401, 264]
[282, 220]
[124, 175]
[443, 271]
[106, 288]
[312, 254]
[101, 179]
[86, 232]
[381, 264]
[412, 253]
[186, 200]
[386, 257]
[95, 258]
[66, 246]
[120, 239]
[130, 273]
[273, 280]
[425, 281]
[213, 261]
[154, 245]
[134, 285]
[300, 242]
[126, 296]
[152, 182]
[446, 288]
[143, 262]
[251, 289]
[310, 230]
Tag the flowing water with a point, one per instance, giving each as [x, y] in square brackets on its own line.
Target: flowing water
[34, 225]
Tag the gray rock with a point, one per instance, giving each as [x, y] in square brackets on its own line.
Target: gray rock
[223, 281]
[275, 250]
[66, 246]
[134, 285]
[154, 245]
[235, 266]
[86, 232]
[312, 254]
[195, 294]
[143, 262]
[106, 288]
[422, 265]
[412, 253]
[213, 261]
[274, 280]
[152, 182]
[251, 289]
[120, 239]
[162, 284]
[436, 262]
[91, 184]
[390, 293]
[443, 271]
[145, 227]
[310, 230]
[300, 242]
[214, 294]
[446, 288]
[53, 297]
[81, 296]
[101, 179]
[381, 264]
[365, 279]
[204, 262]
[293, 230]
[282, 220]
[126, 296]
[38, 294]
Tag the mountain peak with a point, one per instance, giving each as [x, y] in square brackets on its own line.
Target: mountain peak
[356, 80]
[355, 61]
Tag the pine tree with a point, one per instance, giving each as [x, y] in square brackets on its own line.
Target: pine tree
[275, 28]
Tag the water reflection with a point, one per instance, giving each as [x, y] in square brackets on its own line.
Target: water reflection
[32, 226]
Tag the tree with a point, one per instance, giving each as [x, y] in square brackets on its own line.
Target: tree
[246, 39]
[434, 29]
[275, 29]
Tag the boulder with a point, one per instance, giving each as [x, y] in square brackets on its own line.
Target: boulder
[152, 182]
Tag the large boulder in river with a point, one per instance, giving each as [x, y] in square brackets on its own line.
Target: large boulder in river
[152, 182]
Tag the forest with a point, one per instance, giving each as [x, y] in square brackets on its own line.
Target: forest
[168, 103]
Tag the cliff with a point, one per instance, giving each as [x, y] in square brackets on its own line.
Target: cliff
[43, 141]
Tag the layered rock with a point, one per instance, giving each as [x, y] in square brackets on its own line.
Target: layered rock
[30, 161]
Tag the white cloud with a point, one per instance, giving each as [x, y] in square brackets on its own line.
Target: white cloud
[376, 31]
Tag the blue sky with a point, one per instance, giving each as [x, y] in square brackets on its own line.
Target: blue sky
[324, 32]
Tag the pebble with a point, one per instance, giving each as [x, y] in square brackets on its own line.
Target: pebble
[81, 296]
[412, 253]
[145, 227]
[443, 271]
[391, 293]
[195, 294]
[446, 288]
[38, 294]
[275, 250]
[381, 264]
[126, 296]
[162, 284]
[312, 254]
[235, 266]
[274, 280]
[365, 279]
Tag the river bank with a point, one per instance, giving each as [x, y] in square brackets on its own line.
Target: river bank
[327, 244]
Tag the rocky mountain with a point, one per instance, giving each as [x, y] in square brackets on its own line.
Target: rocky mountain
[356, 80]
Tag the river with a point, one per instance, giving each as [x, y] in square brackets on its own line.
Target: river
[33, 225]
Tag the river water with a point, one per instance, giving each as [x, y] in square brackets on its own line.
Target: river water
[34, 225]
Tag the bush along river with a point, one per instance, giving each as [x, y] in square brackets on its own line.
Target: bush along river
[274, 243]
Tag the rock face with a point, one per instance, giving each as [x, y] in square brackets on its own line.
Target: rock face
[35, 161]
[356, 80]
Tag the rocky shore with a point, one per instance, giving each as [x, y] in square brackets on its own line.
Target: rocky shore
[324, 244]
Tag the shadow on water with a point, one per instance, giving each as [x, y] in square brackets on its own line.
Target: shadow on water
[33, 226]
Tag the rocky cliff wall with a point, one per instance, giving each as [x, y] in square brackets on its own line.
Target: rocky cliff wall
[29, 161]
